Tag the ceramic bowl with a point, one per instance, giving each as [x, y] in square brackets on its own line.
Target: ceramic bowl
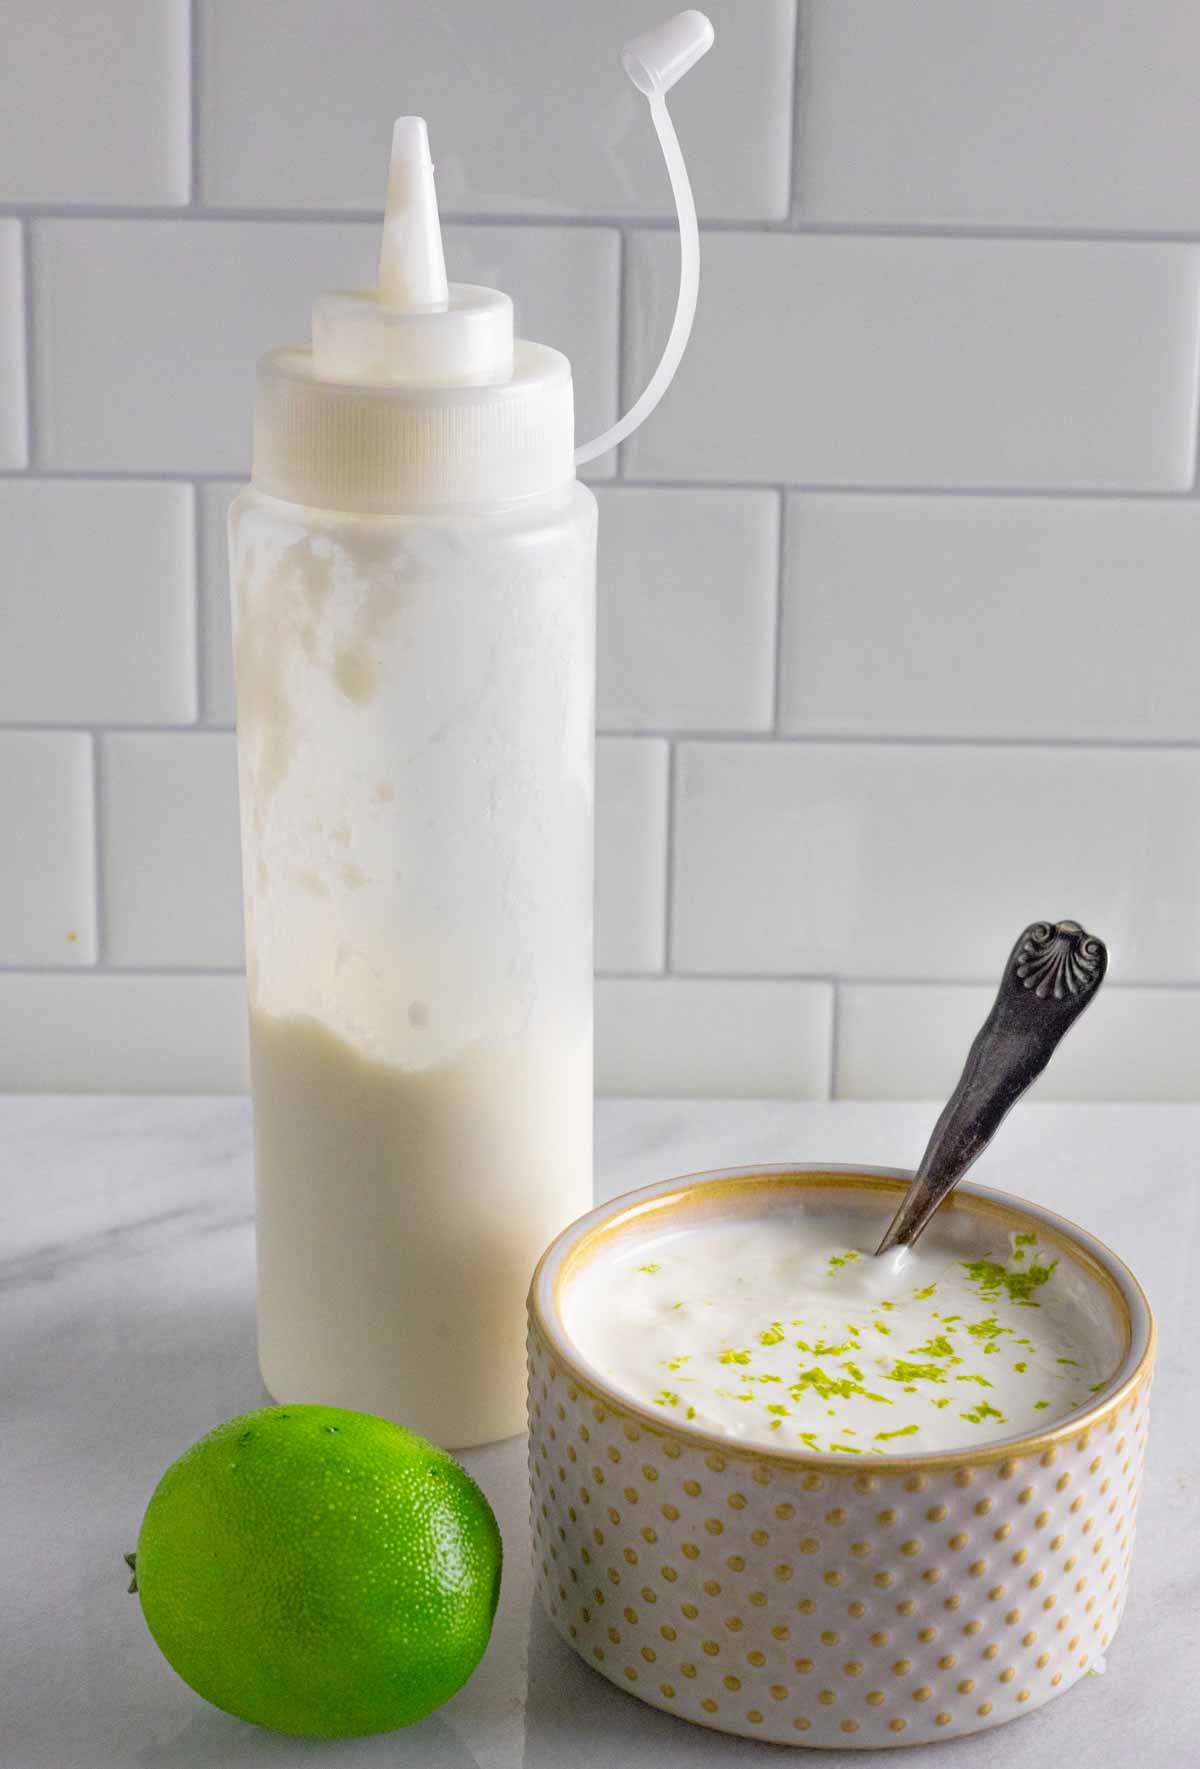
[791, 1597]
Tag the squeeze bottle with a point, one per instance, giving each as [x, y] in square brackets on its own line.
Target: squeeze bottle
[413, 583]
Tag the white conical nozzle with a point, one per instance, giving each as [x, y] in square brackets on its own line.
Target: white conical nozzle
[412, 268]
[413, 329]
[658, 58]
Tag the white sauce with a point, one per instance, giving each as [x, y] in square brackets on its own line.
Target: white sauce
[784, 1330]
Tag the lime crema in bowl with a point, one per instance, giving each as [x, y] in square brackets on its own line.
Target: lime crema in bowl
[784, 1330]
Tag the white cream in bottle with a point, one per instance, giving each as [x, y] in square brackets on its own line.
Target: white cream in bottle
[413, 575]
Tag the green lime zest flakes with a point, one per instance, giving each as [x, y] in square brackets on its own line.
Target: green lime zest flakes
[781, 1411]
[767, 1376]
[650, 1268]
[1039, 1404]
[846, 1449]
[880, 1328]
[982, 1380]
[1067, 1360]
[887, 1305]
[1026, 1240]
[838, 1260]
[666, 1399]
[922, 1296]
[826, 1387]
[938, 1346]
[1019, 1286]
[981, 1411]
[853, 1370]
[734, 1357]
[772, 1335]
[820, 1349]
[1096, 1387]
[902, 1431]
[1020, 1368]
[809, 1440]
[902, 1371]
[675, 1305]
[944, 1402]
[948, 1319]
[988, 1328]
[676, 1363]
[691, 1413]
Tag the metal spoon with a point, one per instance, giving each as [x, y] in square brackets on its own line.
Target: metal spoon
[1052, 973]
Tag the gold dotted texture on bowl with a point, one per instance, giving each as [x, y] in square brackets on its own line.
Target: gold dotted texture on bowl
[809, 1604]
[852, 1608]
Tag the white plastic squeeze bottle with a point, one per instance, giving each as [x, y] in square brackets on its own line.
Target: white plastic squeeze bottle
[413, 579]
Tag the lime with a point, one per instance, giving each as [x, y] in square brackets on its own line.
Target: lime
[321, 1572]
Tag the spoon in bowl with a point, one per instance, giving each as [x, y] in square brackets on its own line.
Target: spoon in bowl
[1052, 973]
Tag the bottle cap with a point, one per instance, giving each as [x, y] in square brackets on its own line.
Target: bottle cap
[414, 395]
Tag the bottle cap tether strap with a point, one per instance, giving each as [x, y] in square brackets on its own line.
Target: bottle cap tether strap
[654, 62]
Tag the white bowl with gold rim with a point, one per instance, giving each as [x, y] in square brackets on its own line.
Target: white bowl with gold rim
[793, 1597]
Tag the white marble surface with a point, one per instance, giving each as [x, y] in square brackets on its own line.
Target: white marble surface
[126, 1330]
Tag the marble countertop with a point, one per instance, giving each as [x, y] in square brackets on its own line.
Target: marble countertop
[127, 1330]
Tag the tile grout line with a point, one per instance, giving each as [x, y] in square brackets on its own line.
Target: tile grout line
[780, 565]
[99, 894]
[623, 255]
[793, 193]
[30, 322]
[835, 1027]
[669, 864]
[193, 92]
[788, 227]
[104, 968]
[1183, 496]
[199, 612]
[114, 728]
[764, 740]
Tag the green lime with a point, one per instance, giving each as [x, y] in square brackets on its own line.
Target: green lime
[321, 1572]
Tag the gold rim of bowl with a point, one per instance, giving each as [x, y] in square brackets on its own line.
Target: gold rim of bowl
[697, 1194]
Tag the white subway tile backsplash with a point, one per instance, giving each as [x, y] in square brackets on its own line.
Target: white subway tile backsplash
[148, 330]
[909, 1041]
[121, 1034]
[968, 703]
[97, 619]
[528, 114]
[94, 102]
[13, 426]
[170, 841]
[47, 869]
[908, 862]
[1043, 113]
[834, 360]
[955, 617]
[686, 1039]
[220, 707]
[631, 853]
[687, 609]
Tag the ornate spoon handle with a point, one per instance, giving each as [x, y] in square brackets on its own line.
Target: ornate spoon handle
[1052, 973]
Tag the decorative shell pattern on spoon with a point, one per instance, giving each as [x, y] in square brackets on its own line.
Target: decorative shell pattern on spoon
[1059, 959]
[1052, 973]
